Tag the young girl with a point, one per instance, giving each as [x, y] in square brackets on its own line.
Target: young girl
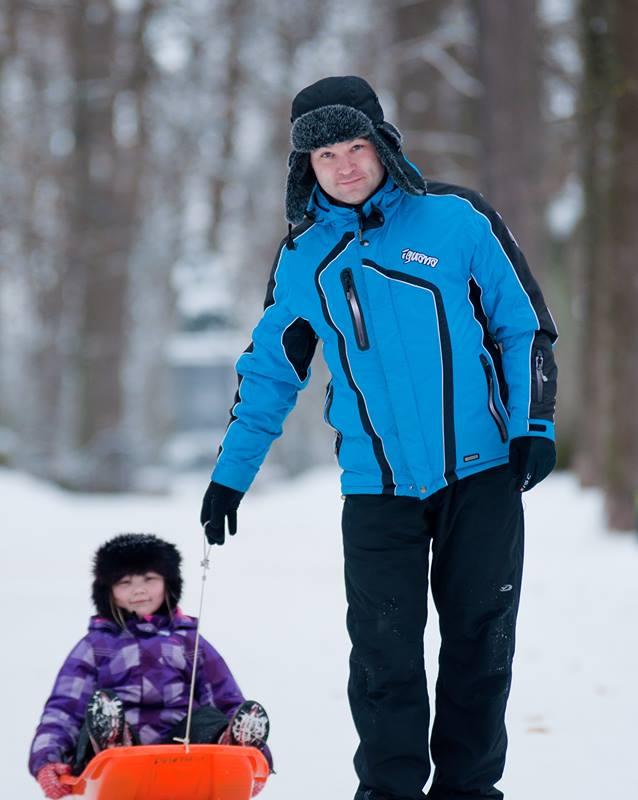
[128, 680]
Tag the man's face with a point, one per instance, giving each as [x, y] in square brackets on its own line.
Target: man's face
[348, 171]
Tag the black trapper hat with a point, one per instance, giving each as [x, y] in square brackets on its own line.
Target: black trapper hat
[134, 554]
[335, 110]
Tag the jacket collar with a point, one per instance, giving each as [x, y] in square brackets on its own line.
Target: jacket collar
[152, 624]
[385, 200]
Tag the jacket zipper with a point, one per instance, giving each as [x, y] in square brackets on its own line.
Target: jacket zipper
[355, 310]
[498, 419]
[362, 221]
[540, 378]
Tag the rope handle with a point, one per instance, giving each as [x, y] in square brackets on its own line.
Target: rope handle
[205, 564]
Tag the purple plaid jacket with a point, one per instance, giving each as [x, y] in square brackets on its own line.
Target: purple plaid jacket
[149, 666]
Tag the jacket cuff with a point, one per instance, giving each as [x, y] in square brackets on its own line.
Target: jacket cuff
[233, 476]
[533, 427]
[43, 759]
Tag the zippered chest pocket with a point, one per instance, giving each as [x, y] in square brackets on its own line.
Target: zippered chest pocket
[356, 312]
[491, 402]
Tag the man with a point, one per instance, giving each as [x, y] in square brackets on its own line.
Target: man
[442, 399]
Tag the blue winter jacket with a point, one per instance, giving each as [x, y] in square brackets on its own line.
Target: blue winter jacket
[435, 332]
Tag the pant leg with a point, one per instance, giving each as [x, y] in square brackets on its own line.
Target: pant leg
[477, 564]
[207, 725]
[386, 572]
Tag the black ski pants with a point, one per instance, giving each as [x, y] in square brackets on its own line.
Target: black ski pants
[474, 528]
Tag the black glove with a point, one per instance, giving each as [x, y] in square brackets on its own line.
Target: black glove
[220, 502]
[532, 458]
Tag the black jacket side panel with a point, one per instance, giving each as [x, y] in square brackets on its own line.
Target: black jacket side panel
[543, 402]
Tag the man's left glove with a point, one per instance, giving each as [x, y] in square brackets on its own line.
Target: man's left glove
[532, 458]
[220, 503]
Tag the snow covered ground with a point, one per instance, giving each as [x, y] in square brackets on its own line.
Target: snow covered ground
[275, 608]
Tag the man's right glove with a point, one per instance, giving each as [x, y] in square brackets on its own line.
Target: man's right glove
[220, 502]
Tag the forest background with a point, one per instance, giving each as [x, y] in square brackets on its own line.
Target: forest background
[143, 150]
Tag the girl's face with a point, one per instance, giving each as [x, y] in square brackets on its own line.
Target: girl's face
[141, 594]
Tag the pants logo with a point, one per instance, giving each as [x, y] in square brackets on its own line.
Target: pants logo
[421, 258]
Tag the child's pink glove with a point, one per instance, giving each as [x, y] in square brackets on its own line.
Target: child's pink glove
[49, 779]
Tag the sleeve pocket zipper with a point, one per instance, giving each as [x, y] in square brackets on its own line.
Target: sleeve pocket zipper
[540, 377]
[496, 416]
[326, 415]
[355, 309]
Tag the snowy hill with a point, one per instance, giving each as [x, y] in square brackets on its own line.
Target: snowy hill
[275, 607]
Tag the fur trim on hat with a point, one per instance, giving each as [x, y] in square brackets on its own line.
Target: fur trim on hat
[134, 554]
[329, 125]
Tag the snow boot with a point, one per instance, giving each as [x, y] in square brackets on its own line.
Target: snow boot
[249, 726]
[105, 720]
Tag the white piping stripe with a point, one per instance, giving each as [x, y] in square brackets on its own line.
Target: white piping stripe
[394, 480]
[425, 289]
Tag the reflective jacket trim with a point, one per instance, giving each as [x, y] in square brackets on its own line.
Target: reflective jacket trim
[387, 476]
[445, 347]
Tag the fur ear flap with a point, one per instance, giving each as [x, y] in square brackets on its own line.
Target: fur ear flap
[403, 173]
[299, 185]
[391, 134]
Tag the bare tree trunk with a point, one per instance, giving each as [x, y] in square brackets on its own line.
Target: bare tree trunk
[622, 476]
[432, 87]
[234, 12]
[510, 120]
[40, 233]
[102, 197]
[596, 127]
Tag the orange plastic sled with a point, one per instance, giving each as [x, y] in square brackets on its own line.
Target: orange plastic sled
[170, 772]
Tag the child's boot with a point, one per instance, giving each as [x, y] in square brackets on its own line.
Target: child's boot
[105, 720]
[249, 726]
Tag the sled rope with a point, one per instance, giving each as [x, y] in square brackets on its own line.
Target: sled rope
[205, 563]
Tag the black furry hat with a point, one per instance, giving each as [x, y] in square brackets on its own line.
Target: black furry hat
[336, 110]
[134, 554]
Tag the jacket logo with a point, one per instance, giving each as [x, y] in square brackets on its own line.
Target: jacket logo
[412, 255]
